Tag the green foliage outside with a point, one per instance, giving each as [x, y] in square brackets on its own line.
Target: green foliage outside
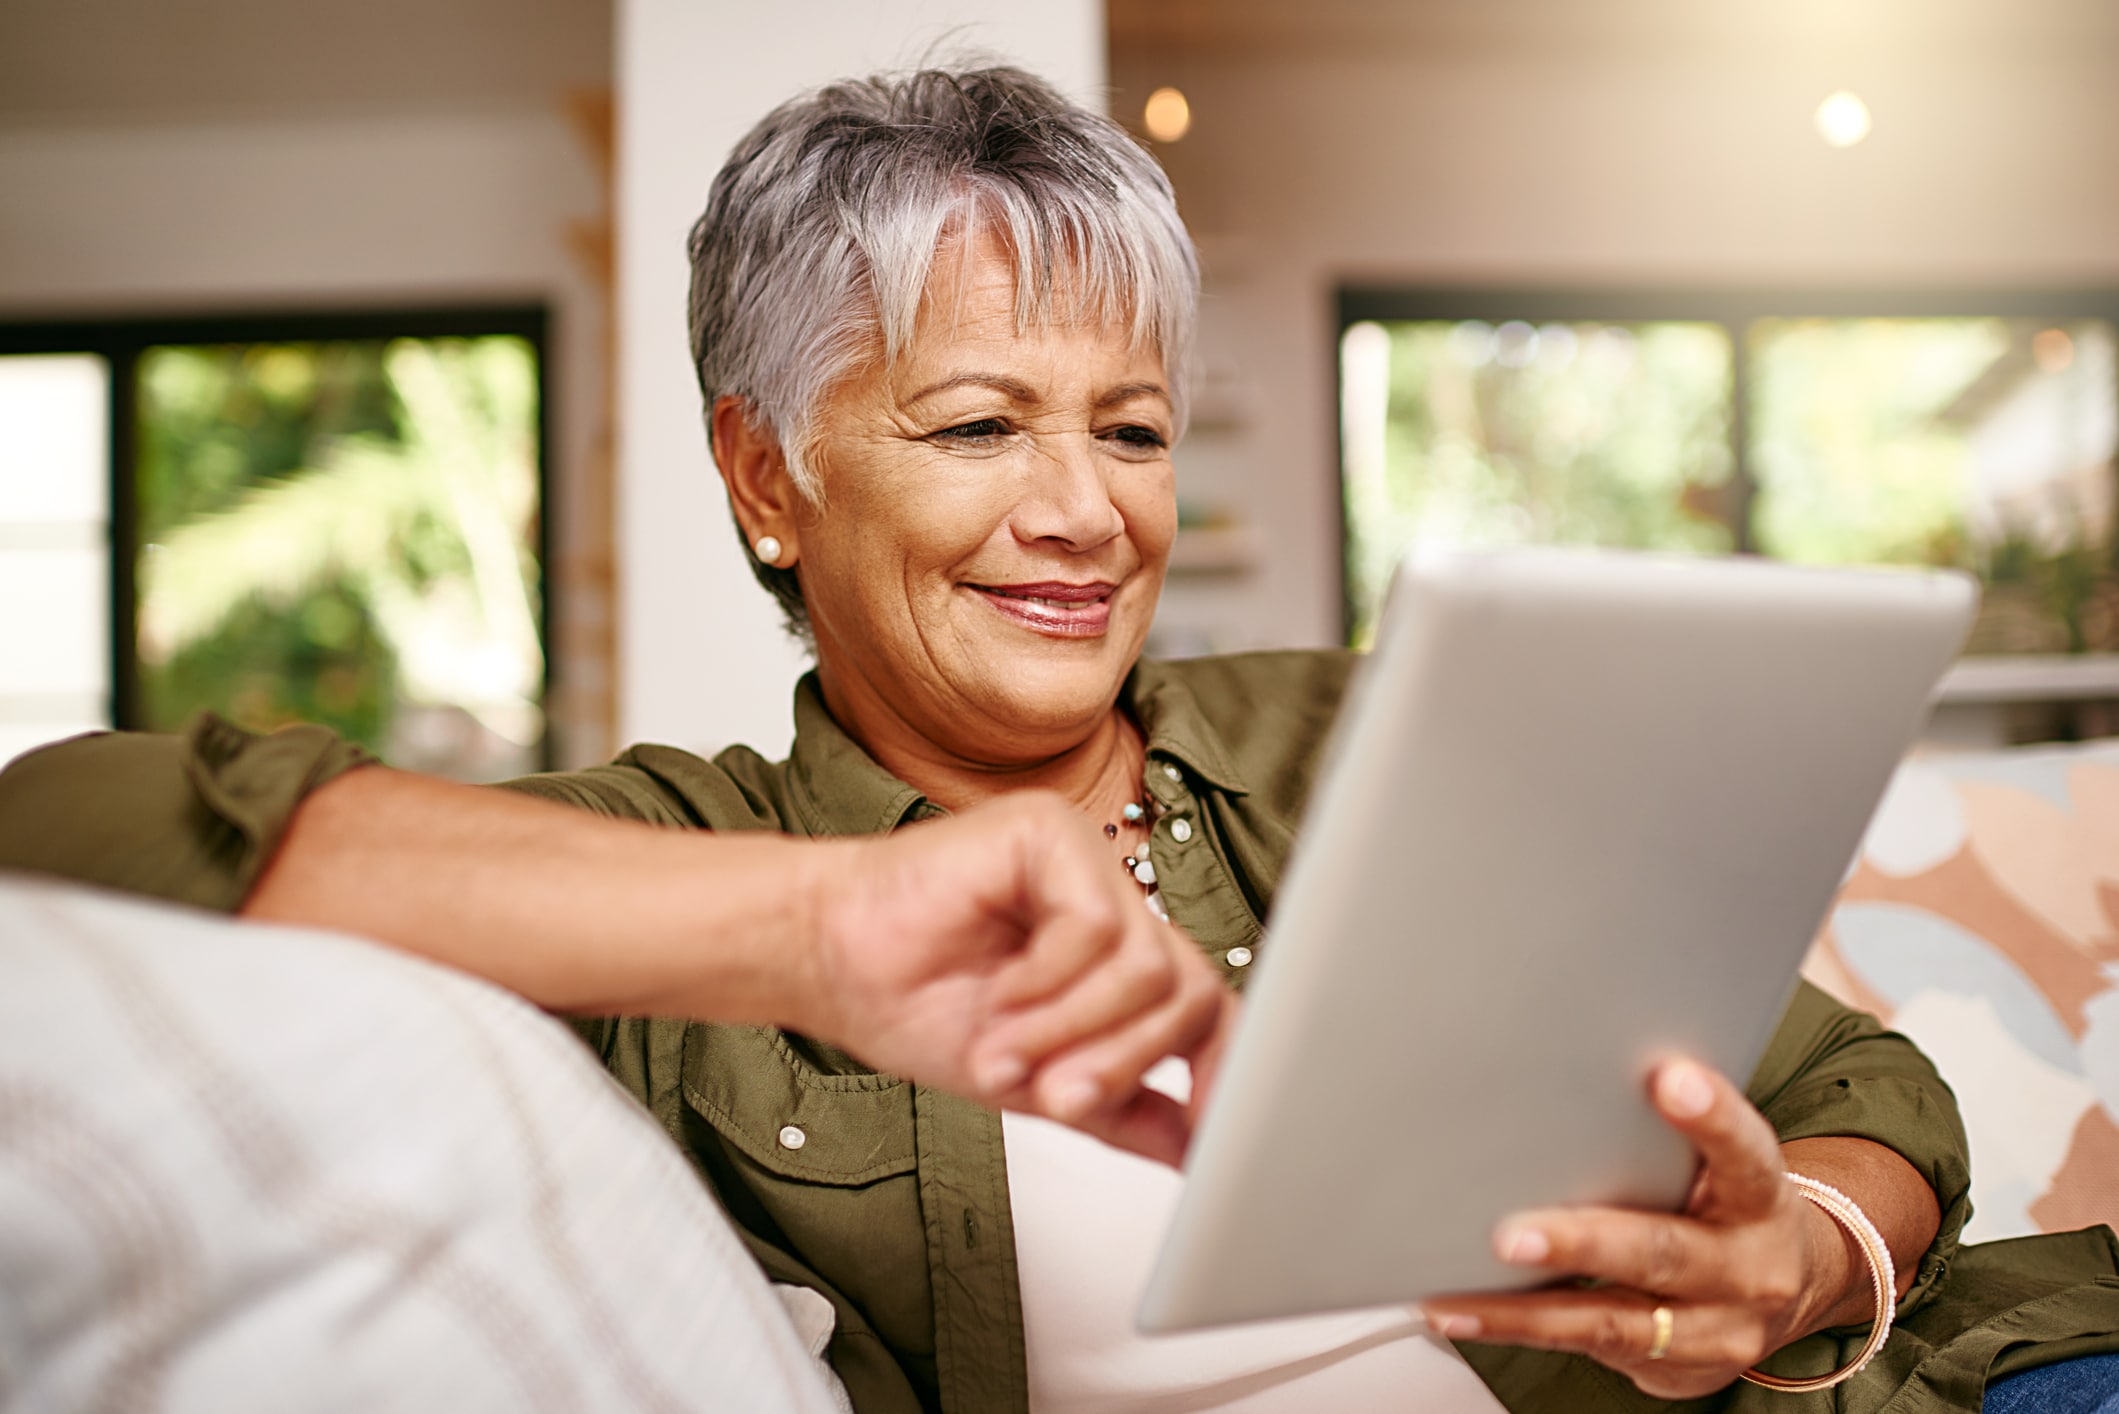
[1863, 446]
[1582, 434]
[1854, 462]
[1940, 442]
[331, 532]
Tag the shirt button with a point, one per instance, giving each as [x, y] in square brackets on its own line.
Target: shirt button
[1180, 830]
[1235, 957]
[1173, 773]
[792, 1137]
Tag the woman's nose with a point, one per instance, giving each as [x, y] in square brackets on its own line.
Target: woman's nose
[1067, 497]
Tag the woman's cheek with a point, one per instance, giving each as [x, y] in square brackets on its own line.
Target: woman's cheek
[1152, 518]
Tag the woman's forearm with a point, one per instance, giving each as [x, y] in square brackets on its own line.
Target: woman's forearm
[995, 953]
[1891, 1194]
[573, 911]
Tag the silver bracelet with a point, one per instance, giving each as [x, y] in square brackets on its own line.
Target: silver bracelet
[1883, 1278]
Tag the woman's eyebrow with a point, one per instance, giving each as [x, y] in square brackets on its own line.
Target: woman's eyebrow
[1014, 388]
[1126, 392]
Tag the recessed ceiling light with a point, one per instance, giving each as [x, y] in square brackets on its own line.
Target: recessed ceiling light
[1843, 119]
[1167, 117]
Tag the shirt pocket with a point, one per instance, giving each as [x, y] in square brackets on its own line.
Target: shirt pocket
[821, 1164]
[791, 1118]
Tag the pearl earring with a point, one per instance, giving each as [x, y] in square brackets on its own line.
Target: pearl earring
[768, 550]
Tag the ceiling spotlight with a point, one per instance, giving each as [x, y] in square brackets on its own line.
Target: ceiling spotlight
[1843, 119]
[1168, 117]
[2053, 350]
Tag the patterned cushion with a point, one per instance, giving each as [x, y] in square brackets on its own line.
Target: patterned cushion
[251, 1168]
[1982, 920]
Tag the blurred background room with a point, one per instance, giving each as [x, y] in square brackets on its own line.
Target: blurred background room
[343, 374]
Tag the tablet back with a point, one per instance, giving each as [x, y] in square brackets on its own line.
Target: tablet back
[1581, 811]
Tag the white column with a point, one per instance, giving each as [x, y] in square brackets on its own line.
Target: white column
[703, 661]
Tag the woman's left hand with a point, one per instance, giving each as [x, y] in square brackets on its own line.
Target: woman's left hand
[1745, 1269]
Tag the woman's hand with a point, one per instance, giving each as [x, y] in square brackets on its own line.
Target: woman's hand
[1001, 955]
[1748, 1267]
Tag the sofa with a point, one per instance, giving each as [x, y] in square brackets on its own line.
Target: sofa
[1981, 918]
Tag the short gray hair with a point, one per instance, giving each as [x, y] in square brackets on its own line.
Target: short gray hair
[820, 231]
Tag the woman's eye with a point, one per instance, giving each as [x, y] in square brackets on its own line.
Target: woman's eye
[984, 430]
[1134, 435]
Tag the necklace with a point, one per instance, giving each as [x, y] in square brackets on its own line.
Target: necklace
[1140, 813]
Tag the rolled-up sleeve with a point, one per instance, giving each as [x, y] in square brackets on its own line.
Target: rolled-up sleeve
[192, 817]
[1834, 1071]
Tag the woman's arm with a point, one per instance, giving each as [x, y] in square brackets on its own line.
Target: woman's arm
[967, 953]
[995, 954]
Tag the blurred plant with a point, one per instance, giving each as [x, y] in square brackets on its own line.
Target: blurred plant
[333, 528]
[2066, 591]
[1565, 434]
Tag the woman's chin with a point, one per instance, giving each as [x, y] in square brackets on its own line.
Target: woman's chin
[1043, 686]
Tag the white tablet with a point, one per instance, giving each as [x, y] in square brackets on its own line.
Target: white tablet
[1581, 811]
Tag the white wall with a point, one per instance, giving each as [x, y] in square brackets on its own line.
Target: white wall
[314, 211]
[703, 660]
[1500, 152]
[266, 213]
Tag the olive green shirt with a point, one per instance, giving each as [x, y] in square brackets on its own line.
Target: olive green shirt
[895, 1208]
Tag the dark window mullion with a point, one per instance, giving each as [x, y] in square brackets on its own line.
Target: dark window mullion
[125, 705]
[1743, 483]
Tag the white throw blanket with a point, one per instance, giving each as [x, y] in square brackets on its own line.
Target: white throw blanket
[251, 1168]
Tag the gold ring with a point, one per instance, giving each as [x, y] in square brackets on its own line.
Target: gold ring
[1664, 1321]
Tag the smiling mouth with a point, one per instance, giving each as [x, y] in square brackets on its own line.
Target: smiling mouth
[1055, 609]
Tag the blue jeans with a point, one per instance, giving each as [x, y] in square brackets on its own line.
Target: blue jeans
[2089, 1385]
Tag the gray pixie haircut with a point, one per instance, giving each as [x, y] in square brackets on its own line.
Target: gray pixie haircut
[820, 232]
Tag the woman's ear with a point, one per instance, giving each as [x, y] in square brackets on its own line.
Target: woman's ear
[760, 489]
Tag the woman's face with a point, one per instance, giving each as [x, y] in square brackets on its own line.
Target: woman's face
[997, 514]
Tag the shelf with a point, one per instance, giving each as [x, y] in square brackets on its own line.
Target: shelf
[1230, 549]
[2044, 677]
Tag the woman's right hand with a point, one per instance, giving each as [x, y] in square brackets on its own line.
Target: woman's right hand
[999, 955]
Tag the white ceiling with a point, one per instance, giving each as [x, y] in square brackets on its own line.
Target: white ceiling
[2072, 29]
[69, 61]
[72, 61]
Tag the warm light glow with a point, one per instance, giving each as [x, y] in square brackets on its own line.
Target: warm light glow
[1843, 119]
[2053, 349]
[1168, 117]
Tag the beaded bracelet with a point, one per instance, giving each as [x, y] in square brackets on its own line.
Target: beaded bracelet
[1883, 1277]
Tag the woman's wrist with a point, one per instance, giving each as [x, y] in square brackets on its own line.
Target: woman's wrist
[1837, 1291]
[1895, 1198]
[1876, 1258]
[735, 935]
[810, 915]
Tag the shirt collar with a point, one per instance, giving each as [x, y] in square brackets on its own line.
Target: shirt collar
[1177, 728]
[839, 789]
[835, 785]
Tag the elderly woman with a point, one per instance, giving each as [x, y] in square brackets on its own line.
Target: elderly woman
[941, 325]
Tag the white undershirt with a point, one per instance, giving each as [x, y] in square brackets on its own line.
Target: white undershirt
[1088, 1221]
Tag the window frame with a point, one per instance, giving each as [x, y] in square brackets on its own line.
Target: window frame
[1735, 309]
[121, 341]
